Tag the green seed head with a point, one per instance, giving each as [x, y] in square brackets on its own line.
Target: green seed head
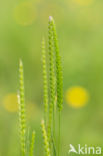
[45, 84]
[32, 144]
[22, 120]
[59, 73]
[45, 138]
[51, 76]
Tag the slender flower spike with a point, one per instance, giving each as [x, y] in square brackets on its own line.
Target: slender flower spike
[22, 120]
[59, 79]
[45, 138]
[59, 73]
[32, 144]
[45, 84]
[51, 76]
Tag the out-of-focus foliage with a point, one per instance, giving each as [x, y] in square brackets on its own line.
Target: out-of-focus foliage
[80, 32]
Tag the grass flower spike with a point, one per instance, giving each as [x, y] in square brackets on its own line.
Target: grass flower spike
[59, 72]
[53, 97]
[45, 85]
[32, 144]
[22, 120]
[51, 77]
[46, 142]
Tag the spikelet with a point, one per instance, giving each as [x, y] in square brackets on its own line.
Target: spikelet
[59, 73]
[22, 120]
[45, 84]
[45, 138]
[32, 144]
[51, 77]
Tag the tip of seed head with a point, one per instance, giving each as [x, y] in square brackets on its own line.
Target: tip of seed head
[50, 18]
[18, 97]
[21, 63]
[33, 132]
[42, 121]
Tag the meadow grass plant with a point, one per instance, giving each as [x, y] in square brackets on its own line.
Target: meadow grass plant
[22, 118]
[59, 78]
[53, 88]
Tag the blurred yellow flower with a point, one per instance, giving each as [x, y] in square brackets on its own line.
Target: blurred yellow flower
[77, 96]
[10, 102]
[25, 13]
[83, 2]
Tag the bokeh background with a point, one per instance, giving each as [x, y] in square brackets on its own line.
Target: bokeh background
[79, 23]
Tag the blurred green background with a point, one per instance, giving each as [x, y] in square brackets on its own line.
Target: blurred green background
[80, 31]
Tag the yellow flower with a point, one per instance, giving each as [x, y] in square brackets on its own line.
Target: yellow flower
[10, 102]
[25, 13]
[83, 2]
[77, 96]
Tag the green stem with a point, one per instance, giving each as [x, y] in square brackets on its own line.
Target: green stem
[54, 147]
[53, 122]
[53, 126]
[59, 136]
